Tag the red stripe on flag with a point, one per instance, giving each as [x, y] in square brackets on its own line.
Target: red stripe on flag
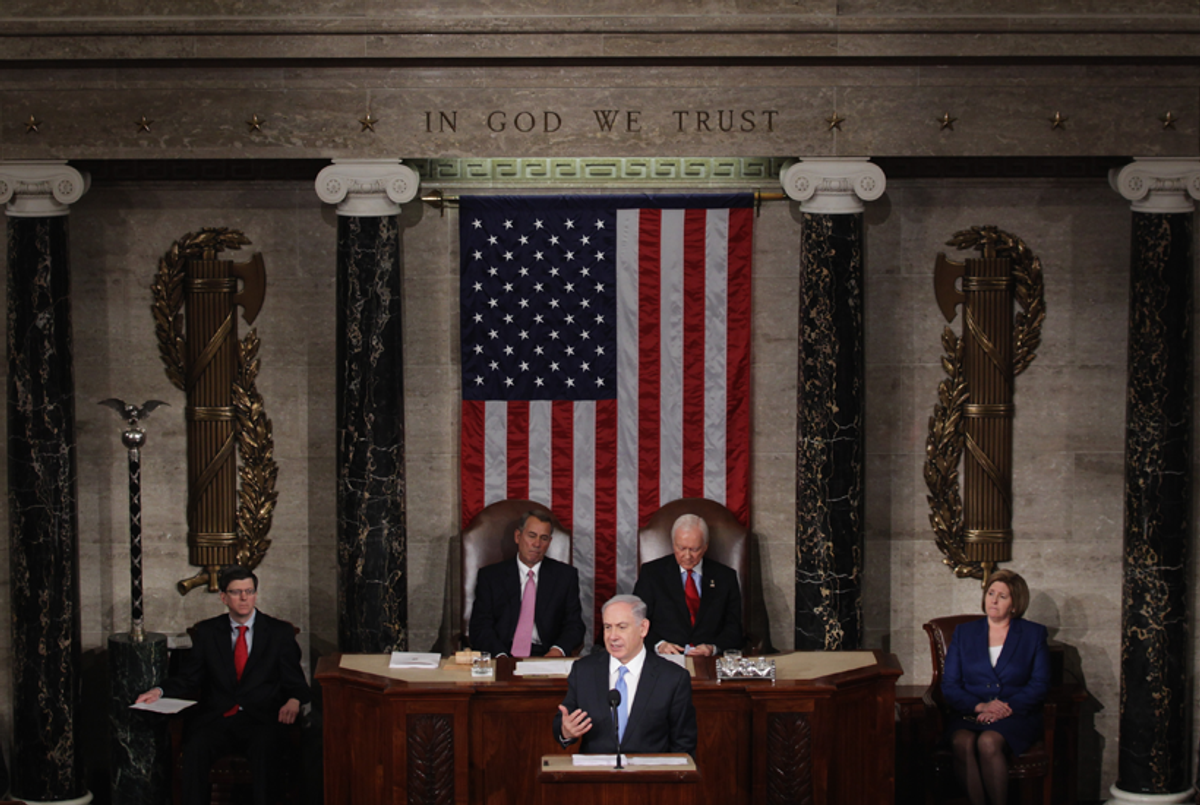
[562, 461]
[649, 360]
[518, 449]
[692, 439]
[737, 414]
[606, 506]
[471, 450]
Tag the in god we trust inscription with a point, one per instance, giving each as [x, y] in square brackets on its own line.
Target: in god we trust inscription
[548, 121]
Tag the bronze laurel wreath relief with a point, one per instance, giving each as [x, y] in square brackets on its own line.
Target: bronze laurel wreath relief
[972, 419]
[227, 524]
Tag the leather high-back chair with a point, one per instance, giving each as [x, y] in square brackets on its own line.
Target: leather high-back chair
[1036, 764]
[489, 539]
[728, 543]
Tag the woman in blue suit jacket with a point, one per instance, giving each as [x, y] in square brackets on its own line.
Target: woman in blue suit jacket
[996, 677]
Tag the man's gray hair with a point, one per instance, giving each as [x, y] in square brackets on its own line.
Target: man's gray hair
[690, 521]
[639, 606]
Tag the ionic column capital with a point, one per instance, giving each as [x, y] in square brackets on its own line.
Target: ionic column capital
[367, 188]
[1158, 185]
[834, 185]
[40, 188]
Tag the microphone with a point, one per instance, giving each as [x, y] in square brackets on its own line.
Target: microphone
[614, 701]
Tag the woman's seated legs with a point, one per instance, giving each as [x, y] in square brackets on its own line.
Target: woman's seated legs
[993, 766]
[966, 765]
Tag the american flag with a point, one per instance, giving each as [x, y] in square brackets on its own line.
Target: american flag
[605, 363]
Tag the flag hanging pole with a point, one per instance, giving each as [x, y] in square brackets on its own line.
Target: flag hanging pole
[441, 201]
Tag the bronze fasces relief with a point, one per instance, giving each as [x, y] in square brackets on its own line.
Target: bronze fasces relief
[973, 418]
[196, 301]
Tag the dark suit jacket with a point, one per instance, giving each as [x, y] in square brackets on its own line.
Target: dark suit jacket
[1021, 678]
[272, 674]
[558, 614]
[662, 719]
[719, 621]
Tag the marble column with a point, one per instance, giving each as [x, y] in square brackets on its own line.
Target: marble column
[43, 507]
[830, 455]
[372, 537]
[1156, 657]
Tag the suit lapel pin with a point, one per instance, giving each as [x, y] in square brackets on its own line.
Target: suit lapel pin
[712, 583]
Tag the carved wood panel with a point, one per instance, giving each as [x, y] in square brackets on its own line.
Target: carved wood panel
[789, 759]
[431, 759]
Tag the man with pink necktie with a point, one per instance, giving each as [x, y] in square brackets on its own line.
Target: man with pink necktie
[530, 609]
[694, 604]
[244, 671]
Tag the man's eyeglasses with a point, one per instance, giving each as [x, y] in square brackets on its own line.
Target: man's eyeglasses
[241, 593]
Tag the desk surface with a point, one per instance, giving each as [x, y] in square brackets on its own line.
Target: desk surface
[796, 666]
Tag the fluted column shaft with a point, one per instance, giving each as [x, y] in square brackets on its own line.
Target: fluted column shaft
[372, 538]
[830, 457]
[43, 505]
[1155, 719]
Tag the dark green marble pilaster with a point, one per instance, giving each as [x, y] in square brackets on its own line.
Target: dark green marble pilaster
[372, 535]
[43, 514]
[1156, 649]
[829, 435]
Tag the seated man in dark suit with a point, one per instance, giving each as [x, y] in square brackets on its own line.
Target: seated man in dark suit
[244, 671]
[695, 604]
[550, 622]
[656, 712]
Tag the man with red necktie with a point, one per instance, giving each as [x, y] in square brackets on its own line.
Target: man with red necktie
[694, 604]
[244, 671]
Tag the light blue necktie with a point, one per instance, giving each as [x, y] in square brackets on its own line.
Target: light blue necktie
[623, 710]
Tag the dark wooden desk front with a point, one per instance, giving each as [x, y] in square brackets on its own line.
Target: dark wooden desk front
[824, 740]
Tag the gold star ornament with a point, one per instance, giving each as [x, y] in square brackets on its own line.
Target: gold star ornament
[144, 124]
[947, 122]
[255, 123]
[835, 121]
[368, 122]
[31, 125]
[1058, 121]
[1168, 121]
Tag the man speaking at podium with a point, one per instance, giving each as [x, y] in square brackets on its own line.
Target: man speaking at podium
[655, 713]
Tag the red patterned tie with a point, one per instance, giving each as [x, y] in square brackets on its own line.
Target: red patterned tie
[240, 654]
[692, 596]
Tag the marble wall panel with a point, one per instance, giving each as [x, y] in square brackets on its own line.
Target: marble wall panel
[1068, 434]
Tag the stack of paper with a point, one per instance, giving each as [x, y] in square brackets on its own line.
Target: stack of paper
[163, 705]
[543, 667]
[413, 659]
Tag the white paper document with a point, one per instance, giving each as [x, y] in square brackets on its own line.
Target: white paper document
[164, 705]
[543, 667]
[611, 760]
[412, 659]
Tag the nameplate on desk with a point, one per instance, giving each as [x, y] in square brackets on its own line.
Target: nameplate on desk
[411, 659]
[608, 761]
